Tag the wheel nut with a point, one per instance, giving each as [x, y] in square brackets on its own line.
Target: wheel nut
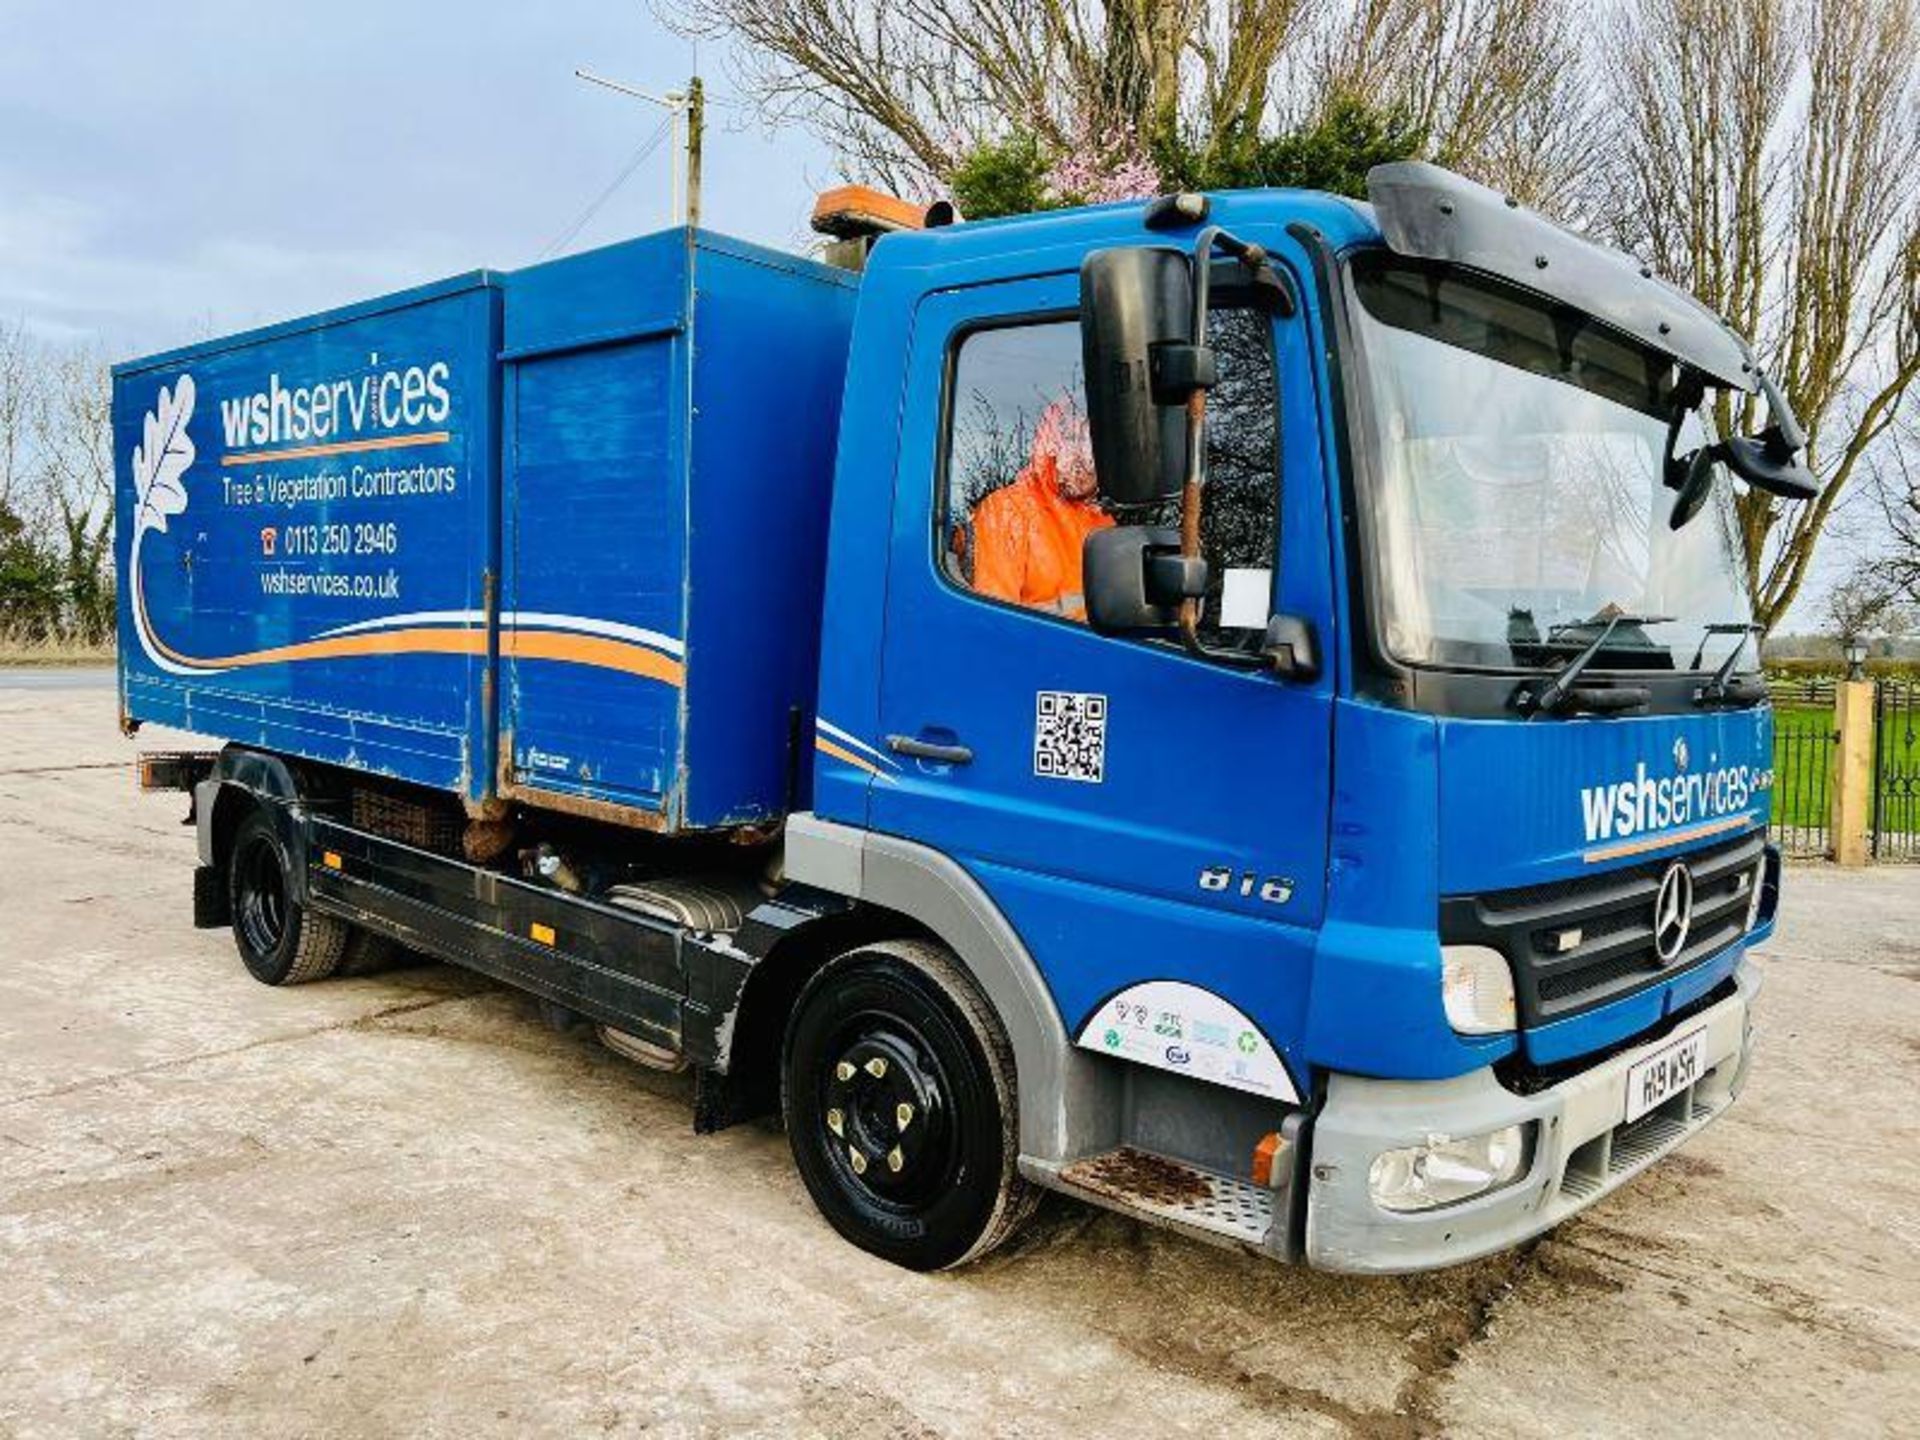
[857, 1160]
[895, 1160]
[843, 1072]
[903, 1114]
[836, 1122]
[877, 1067]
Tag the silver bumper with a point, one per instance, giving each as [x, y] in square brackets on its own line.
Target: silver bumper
[1582, 1147]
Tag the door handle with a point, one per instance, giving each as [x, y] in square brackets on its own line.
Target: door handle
[928, 750]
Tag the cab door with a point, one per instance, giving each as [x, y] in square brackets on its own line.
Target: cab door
[1138, 814]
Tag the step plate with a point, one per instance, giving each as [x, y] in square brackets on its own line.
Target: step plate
[1172, 1192]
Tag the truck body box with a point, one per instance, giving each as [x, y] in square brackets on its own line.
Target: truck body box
[553, 535]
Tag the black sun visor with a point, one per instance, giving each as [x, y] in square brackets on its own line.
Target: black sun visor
[1428, 213]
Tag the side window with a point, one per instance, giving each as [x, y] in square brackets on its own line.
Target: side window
[1019, 495]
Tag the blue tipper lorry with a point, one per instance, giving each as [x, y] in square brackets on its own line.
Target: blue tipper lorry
[1354, 856]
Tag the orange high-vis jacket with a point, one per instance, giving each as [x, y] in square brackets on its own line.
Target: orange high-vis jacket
[1027, 536]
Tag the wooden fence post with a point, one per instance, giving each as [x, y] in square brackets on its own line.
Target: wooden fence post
[1851, 790]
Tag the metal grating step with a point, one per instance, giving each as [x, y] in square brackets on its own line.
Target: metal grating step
[1176, 1193]
[1641, 1141]
[1580, 1184]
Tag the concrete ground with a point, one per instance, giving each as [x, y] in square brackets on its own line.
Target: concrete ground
[402, 1205]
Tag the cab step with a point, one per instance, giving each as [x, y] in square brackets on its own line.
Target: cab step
[1171, 1192]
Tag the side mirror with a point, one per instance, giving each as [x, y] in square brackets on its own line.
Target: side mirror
[1290, 648]
[1756, 462]
[1142, 362]
[1134, 579]
[1771, 460]
[1694, 488]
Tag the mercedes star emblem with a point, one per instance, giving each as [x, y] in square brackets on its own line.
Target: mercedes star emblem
[1673, 913]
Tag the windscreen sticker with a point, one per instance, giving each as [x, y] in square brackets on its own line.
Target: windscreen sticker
[1070, 736]
[1170, 1025]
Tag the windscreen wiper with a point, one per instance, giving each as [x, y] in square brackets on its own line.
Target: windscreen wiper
[1724, 688]
[1562, 693]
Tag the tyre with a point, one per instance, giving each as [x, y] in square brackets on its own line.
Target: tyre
[280, 942]
[369, 954]
[897, 1086]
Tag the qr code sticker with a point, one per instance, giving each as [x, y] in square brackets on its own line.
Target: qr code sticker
[1070, 736]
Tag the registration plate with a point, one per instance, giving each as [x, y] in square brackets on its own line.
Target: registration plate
[1665, 1073]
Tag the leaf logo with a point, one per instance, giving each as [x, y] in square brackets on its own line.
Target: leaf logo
[160, 463]
[161, 458]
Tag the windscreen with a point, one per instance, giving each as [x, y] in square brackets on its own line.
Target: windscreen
[1518, 503]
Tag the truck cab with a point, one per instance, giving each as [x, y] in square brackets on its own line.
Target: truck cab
[1353, 958]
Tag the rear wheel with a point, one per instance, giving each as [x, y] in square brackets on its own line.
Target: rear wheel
[281, 942]
[367, 953]
[898, 1093]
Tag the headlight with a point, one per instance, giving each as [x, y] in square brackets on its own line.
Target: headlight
[1758, 884]
[1445, 1171]
[1476, 986]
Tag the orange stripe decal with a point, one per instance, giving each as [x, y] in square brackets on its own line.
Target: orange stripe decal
[593, 650]
[340, 447]
[827, 747]
[1661, 842]
[422, 641]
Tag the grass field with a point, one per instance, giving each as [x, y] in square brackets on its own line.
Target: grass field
[15, 650]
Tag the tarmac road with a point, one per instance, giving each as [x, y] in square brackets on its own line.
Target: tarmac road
[402, 1205]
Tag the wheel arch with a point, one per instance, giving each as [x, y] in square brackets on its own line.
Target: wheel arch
[791, 938]
[241, 782]
[1060, 1097]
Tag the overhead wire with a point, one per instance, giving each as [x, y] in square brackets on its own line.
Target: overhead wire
[633, 163]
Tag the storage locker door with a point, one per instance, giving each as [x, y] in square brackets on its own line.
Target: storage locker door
[591, 607]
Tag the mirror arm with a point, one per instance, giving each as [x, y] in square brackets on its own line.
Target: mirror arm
[1190, 513]
[1253, 257]
[1784, 437]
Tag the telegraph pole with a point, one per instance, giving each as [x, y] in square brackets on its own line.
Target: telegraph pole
[696, 132]
[685, 108]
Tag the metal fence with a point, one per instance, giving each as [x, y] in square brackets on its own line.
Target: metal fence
[1896, 770]
[1803, 745]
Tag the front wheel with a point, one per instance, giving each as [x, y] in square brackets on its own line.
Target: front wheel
[898, 1093]
[280, 942]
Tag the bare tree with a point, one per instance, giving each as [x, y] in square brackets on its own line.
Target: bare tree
[907, 88]
[1862, 605]
[56, 490]
[1500, 87]
[1896, 477]
[20, 399]
[75, 445]
[1768, 163]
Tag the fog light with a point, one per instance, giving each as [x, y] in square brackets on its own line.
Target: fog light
[1445, 1171]
[1476, 986]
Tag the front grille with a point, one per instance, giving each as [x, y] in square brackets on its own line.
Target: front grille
[1613, 911]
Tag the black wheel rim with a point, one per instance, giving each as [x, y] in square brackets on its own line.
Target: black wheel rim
[886, 1113]
[262, 908]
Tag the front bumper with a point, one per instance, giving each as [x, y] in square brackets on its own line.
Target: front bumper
[1582, 1147]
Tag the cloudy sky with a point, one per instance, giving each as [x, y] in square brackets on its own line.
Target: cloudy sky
[180, 168]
